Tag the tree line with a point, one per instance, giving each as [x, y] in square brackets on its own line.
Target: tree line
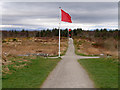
[79, 32]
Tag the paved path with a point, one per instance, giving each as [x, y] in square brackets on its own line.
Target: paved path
[69, 73]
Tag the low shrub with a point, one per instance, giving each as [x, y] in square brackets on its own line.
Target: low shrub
[4, 41]
[14, 39]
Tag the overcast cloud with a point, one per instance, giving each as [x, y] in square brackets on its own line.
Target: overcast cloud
[43, 15]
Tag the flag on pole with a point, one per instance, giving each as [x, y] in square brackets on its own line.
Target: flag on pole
[70, 33]
[69, 30]
[65, 17]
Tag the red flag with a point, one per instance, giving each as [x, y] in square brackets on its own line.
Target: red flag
[65, 17]
[69, 30]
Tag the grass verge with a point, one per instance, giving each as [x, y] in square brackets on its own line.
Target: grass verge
[81, 54]
[32, 75]
[60, 54]
[103, 71]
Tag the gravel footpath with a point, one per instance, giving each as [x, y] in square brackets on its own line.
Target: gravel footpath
[69, 73]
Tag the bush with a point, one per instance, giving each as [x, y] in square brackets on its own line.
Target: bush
[110, 44]
[4, 41]
[14, 39]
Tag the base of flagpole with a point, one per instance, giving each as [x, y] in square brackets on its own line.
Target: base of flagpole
[59, 54]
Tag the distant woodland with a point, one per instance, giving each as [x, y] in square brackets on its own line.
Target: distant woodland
[102, 33]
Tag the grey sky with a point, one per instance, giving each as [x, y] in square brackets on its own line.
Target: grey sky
[43, 15]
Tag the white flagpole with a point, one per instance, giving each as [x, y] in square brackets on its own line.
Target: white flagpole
[59, 30]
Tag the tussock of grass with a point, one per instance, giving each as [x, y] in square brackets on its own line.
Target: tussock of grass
[103, 71]
[32, 75]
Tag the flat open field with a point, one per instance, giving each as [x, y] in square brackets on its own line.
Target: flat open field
[23, 46]
[28, 48]
[106, 47]
[27, 72]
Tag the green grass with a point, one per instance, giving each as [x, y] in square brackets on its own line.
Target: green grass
[32, 75]
[103, 71]
[81, 54]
